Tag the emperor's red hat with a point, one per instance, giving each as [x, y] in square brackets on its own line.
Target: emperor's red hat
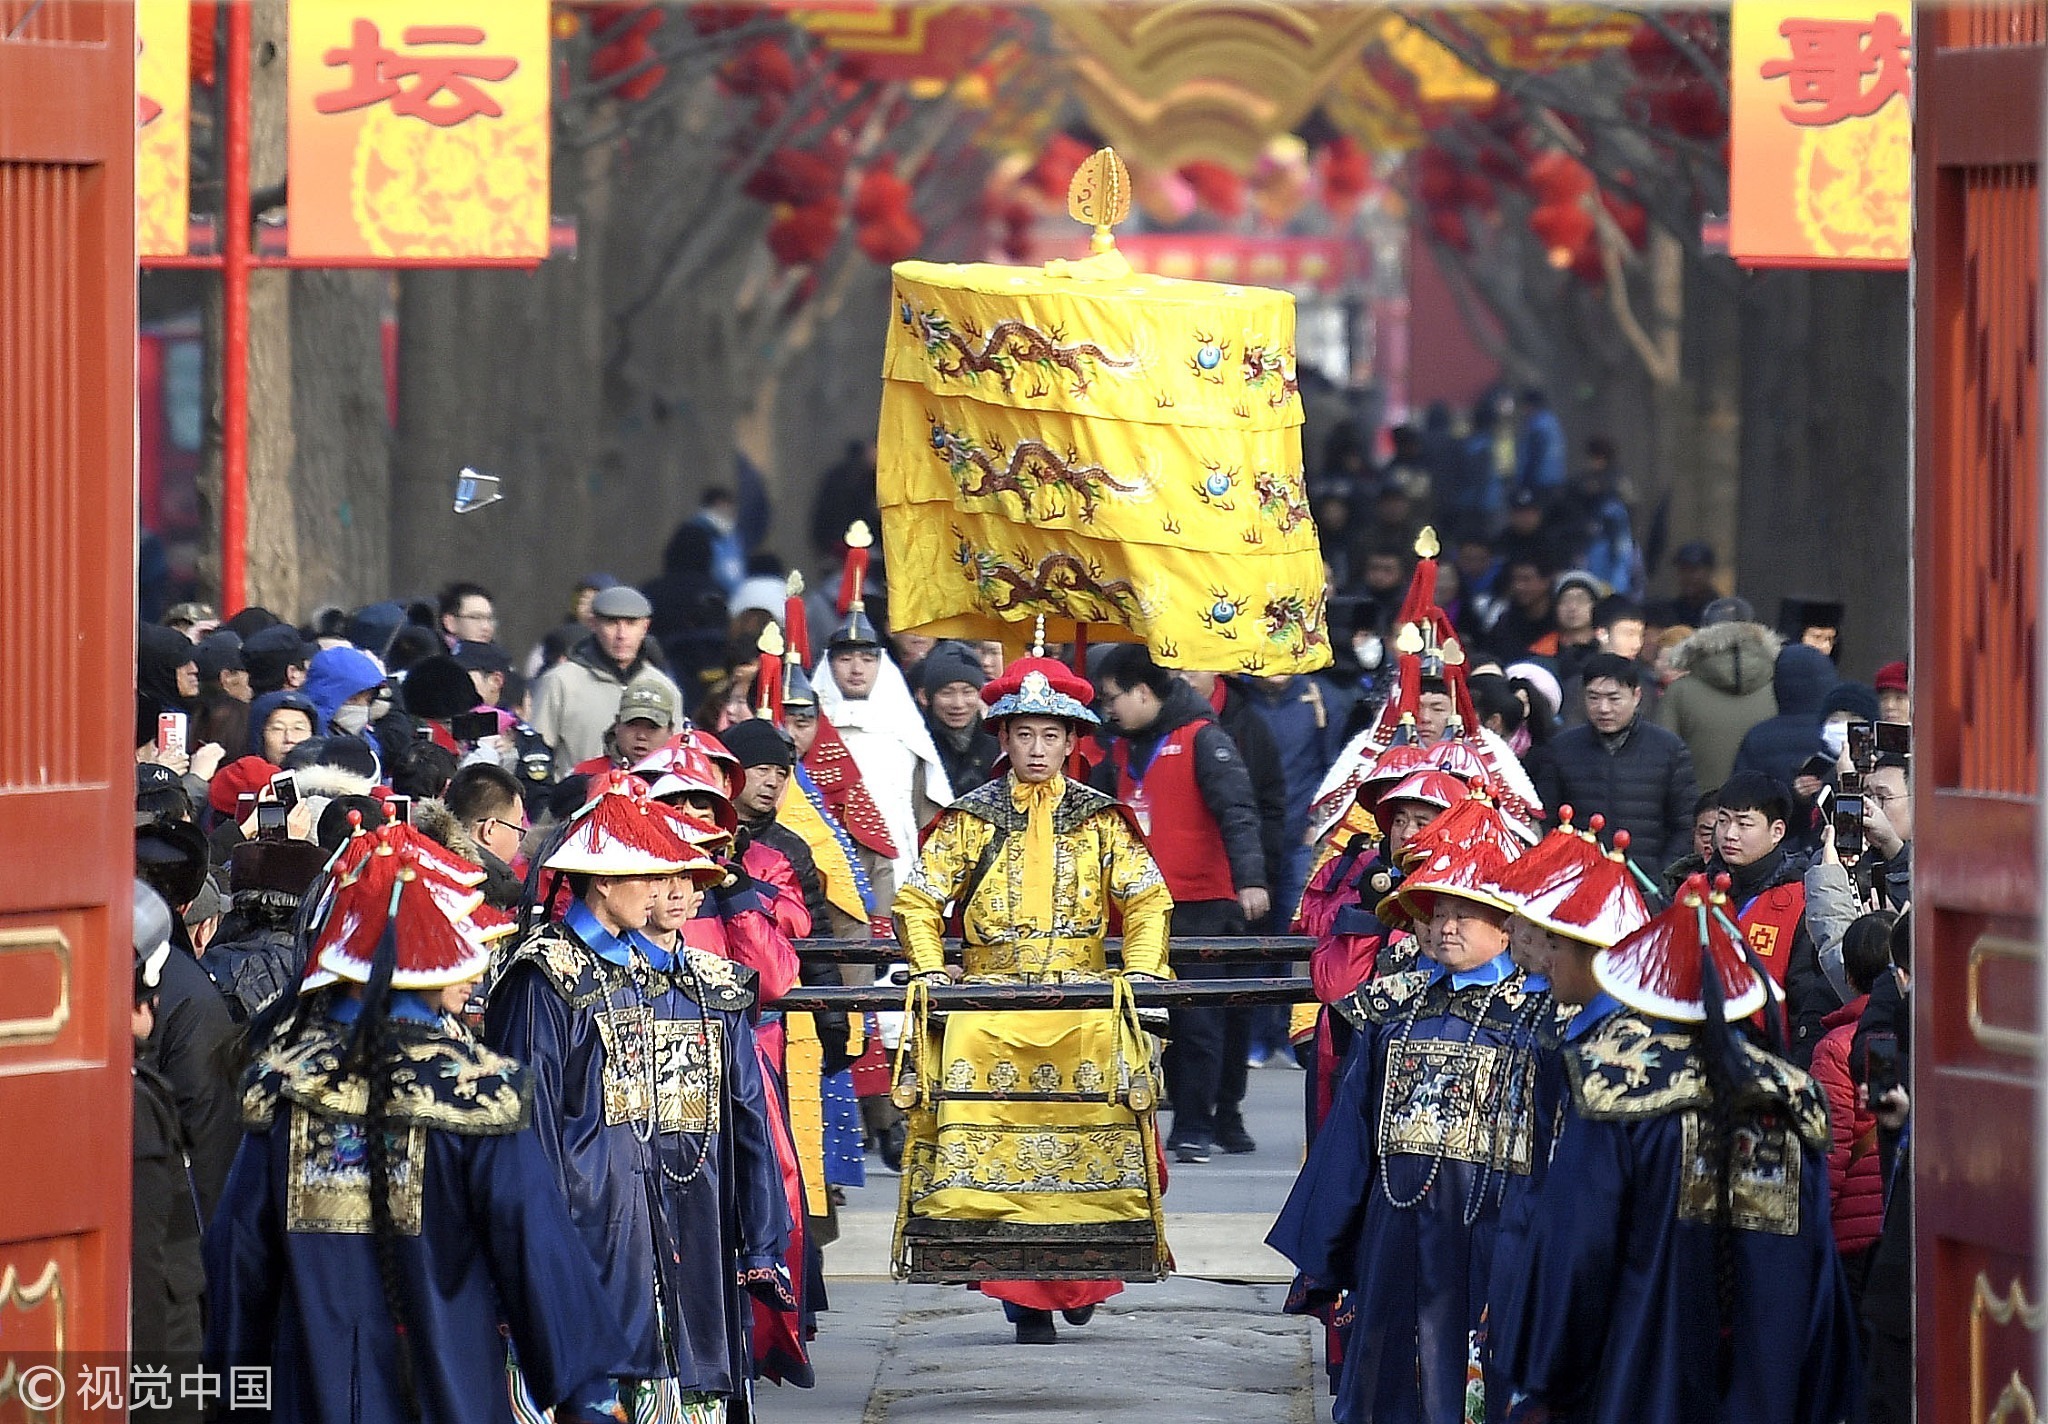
[1040, 687]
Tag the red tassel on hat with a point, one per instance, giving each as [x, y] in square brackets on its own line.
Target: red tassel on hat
[855, 574]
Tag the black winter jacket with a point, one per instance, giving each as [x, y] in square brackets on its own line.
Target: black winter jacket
[1640, 779]
[1220, 776]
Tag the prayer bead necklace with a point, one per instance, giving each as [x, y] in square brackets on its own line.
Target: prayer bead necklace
[638, 971]
[1436, 1165]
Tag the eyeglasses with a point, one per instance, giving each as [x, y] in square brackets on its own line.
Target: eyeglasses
[518, 830]
[1886, 798]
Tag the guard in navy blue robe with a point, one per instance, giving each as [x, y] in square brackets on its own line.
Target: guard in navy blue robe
[482, 1237]
[648, 1098]
[1437, 1110]
[1613, 1316]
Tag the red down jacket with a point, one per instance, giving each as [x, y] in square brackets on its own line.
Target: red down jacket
[1855, 1186]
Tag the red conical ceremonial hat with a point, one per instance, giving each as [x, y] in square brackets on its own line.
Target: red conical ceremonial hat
[1428, 786]
[1464, 872]
[1557, 859]
[621, 831]
[686, 765]
[1600, 904]
[1393, 766]
[1657, 969]
[438, 939]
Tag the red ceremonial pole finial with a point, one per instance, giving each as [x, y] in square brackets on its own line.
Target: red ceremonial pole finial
[858, 541]
[768, 680]
[796, 620]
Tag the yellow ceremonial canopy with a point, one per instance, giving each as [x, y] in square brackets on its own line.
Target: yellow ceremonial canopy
[1103, 448]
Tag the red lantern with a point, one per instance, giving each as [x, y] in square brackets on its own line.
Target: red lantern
[803, 235]
[881, 194]
[890, 238]
[625, 50]
[1563, 228]
[1057, 166]
[763, 67]
[1216, 187]
[1557, 177]
[793, 176]
[1629, 217]
[1346, 174]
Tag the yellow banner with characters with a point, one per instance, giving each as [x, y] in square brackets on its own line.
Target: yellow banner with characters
[163, 128]
[419, 129]
[1120, 452]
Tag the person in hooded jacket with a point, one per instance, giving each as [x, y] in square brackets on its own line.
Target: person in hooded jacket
[279, 721]
[1801, 681]
[1725, 692]
[342, 684]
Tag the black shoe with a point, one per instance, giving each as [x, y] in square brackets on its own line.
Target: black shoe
[1190, 1150]
[1035, 1327]
[1235, 1140]
[892, 1146]
[1078, 1317]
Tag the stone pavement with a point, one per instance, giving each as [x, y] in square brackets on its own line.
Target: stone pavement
[1207, 1344]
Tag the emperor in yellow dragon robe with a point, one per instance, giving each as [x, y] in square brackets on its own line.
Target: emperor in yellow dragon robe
[1034, 863]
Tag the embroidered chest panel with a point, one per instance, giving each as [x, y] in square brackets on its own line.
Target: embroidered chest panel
[669, 1069]
[327, 1176]
[1764, 1178]
[1469, 1102]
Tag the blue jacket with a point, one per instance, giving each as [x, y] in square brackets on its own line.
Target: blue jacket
[1779, 745]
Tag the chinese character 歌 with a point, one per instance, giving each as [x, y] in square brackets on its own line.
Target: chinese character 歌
[1830, 61]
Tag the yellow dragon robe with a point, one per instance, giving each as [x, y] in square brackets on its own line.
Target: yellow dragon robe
[1039, 868]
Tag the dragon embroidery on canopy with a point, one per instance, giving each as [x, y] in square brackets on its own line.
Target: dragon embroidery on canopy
[1011, 349]
[1032, 470]
[1061, 583]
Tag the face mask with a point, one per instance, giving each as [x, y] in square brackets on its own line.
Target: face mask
[351, 718]
[380, 709]
[1835, 736]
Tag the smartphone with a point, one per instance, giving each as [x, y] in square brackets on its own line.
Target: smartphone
[170, 731]
[473, 726]
[1894, 739]
[424, 732]
[1862, 740]
[1824, 799]
[270, 819]
[245, 807]
[285, 786]
[402, 805]
[1849, 826]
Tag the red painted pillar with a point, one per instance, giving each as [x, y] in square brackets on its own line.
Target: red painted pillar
[234, 354]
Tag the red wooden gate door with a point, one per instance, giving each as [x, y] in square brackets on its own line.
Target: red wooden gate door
[1978, 709]
[67, 637]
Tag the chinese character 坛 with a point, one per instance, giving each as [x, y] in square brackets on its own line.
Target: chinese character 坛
[374, 75]
[1830, 61]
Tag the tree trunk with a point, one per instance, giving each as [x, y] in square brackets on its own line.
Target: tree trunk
[1825, 452]
[273, 521]
[341, 481]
